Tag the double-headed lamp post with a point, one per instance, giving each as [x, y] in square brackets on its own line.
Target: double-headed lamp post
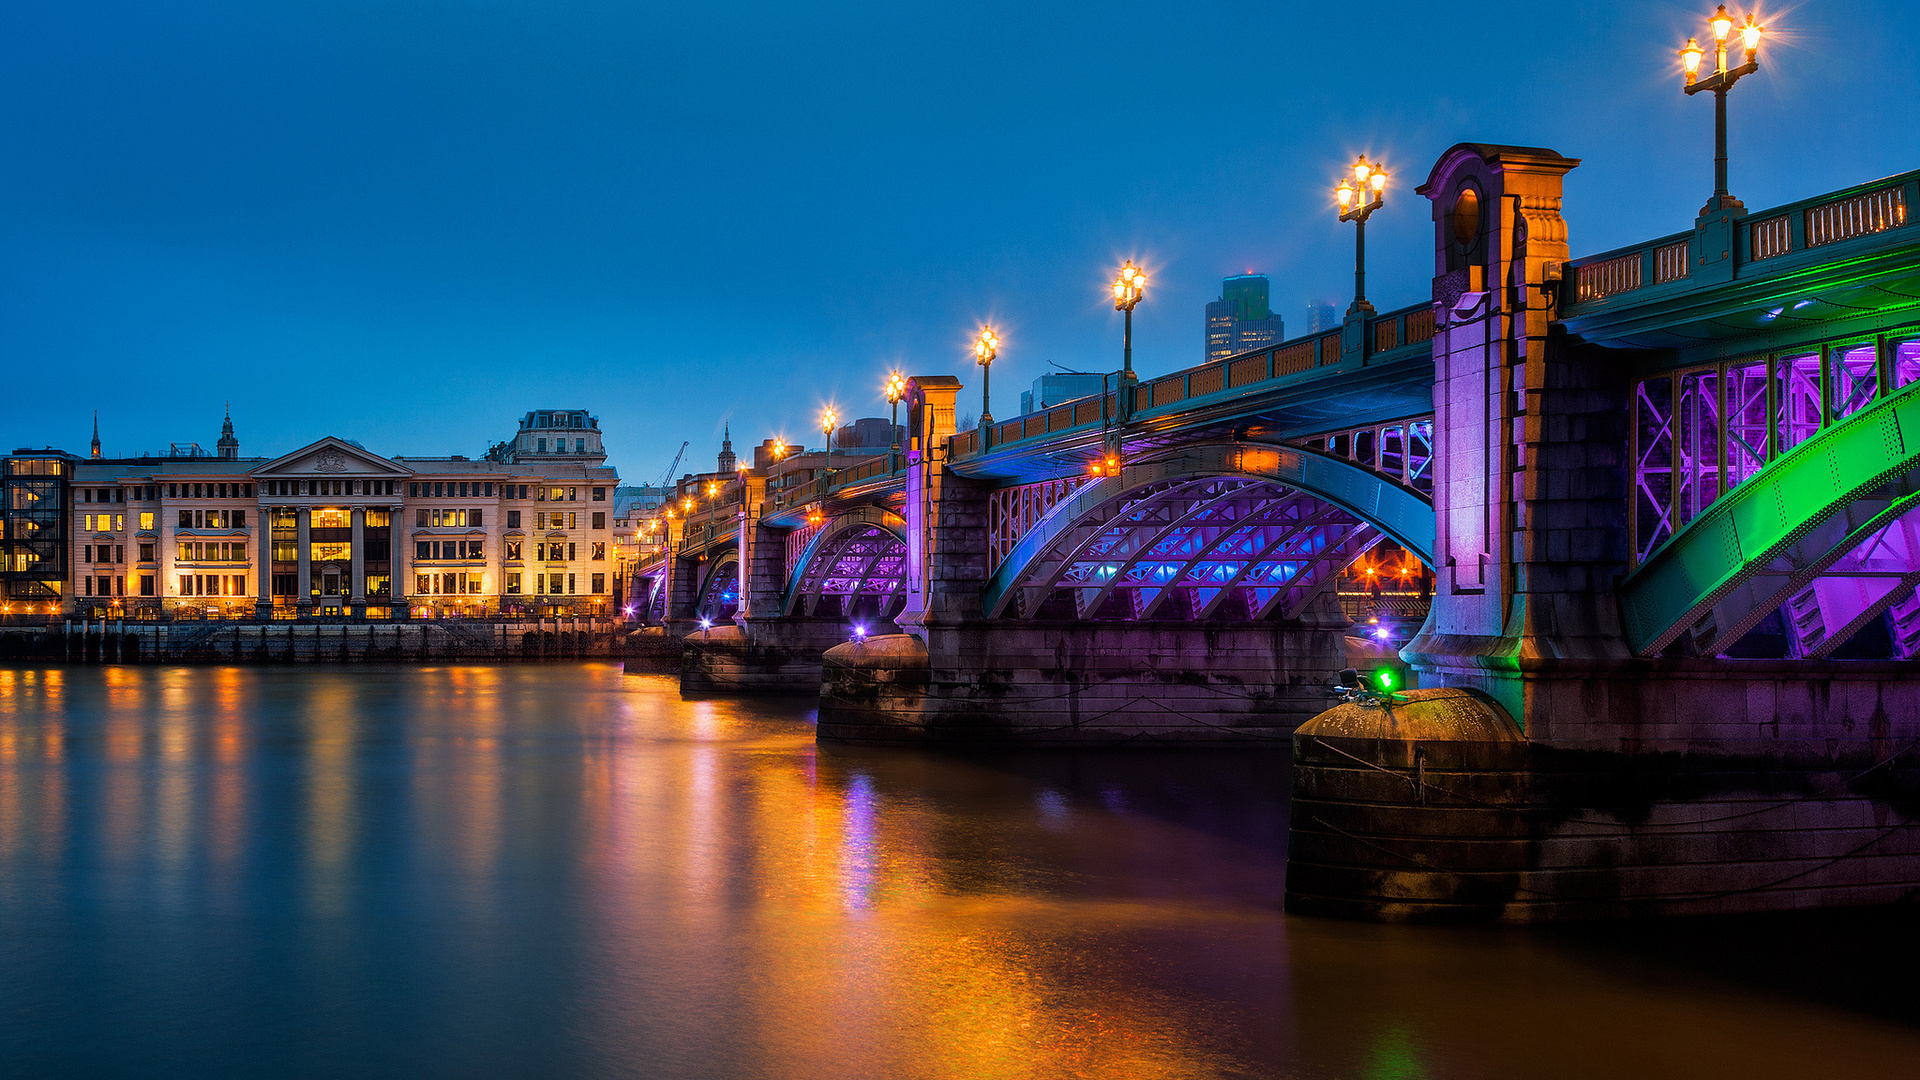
[985, 348]
[1128, 289]
[896, 389]
[1358, 199]
[1721, 81]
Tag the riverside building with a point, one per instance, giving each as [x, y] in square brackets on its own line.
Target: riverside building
[331, 530]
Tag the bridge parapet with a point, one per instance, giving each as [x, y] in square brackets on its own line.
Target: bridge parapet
[1400, 334]
[1740, 275]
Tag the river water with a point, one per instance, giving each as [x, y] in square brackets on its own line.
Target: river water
[533, 871]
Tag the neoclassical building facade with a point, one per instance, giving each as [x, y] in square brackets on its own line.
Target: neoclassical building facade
[335, 530]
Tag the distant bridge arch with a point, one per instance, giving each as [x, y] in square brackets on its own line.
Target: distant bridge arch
[1262, 527]
[720, 591]
[854, 563]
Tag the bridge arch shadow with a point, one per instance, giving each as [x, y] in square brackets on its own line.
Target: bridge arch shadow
[1222, 532]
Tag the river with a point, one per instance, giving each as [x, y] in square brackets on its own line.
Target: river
[556, 871]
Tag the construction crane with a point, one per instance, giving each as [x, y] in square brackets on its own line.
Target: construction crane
[667, 480]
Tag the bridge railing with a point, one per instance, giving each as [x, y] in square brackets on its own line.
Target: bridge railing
[1796, 233]
[1408, 329]
[875, 467]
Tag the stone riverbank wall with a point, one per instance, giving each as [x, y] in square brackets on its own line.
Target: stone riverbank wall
[291, 642]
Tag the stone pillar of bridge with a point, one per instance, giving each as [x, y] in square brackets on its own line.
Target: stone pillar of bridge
[1531, 524]
[768, 651]
[763, 557]
[931, 557]
[681, 580]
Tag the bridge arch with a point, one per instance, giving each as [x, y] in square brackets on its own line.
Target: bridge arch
[720, 590]
[1828, 534]
[855, 562]
[1260, 526]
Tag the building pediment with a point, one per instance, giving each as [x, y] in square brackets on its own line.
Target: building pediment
[330, 457]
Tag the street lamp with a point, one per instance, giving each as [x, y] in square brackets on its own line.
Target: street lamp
[828, 421]
[1128, 288]
[896, 389]
[1358, 200]
[779, 449]
[1721, 81]
[985, 348]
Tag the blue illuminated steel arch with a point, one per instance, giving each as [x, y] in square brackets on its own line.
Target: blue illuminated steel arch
[1838, 507]
[720, 592]
[1206, 501]
[861, 552]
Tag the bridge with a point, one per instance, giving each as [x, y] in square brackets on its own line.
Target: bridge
[1666, 495]
[1733, 380]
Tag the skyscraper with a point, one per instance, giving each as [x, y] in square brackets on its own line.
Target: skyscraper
[1241, 319]
[1321, 316]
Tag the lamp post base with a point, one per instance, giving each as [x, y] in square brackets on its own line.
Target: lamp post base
[1718, 203]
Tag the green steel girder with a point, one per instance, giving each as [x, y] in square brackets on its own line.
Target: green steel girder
[1401, 513]
[1777, 530]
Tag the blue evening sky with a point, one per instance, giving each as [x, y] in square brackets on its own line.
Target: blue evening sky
[408, 221]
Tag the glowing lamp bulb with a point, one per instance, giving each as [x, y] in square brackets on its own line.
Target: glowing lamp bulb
[1361, 169]
[1378, 180]
[1722, 23]
[1344, 194]
[1383, 679]
[1750, 35]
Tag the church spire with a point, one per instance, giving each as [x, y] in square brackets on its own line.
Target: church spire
[96, 433]
[229, 447]
[727, 459]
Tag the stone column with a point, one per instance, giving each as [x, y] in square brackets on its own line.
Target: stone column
[358, 594]
[263, 536]
[1528, 439]
[168, 541]
[930, 405]
[303, 589]
[763, 558]
[399, 571]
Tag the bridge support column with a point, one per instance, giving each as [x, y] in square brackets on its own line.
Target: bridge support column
[1530, 531]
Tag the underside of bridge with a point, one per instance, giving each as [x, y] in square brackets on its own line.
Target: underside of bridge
[1211, 549]
[854, 569]
[1813, 554]
[1190, 598]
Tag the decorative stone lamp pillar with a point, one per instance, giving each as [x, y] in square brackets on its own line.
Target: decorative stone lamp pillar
[1530, 532]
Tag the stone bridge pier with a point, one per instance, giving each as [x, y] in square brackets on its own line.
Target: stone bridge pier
[1564, 761]
[763, 606]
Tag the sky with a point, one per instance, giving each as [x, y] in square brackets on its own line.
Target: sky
[407, 222]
